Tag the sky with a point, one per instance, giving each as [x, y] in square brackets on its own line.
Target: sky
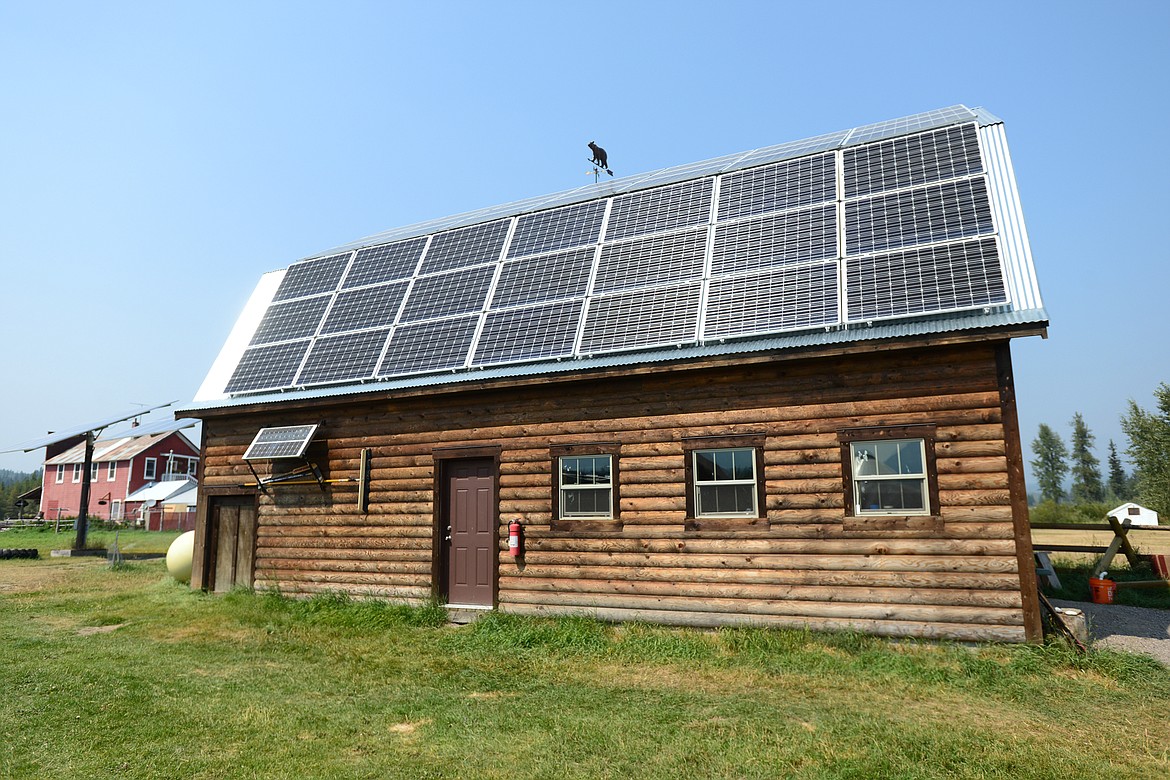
[157, 158]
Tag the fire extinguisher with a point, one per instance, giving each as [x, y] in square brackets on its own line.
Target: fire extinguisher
[514, 539]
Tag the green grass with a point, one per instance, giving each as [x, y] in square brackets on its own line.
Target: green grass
[126, 673]
[1074, 580]
[96, 537]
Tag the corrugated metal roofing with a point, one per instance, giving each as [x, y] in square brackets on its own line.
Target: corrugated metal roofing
[105, 451]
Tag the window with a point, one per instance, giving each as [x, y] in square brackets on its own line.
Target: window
[193, 466]
[76, 472]
[725, 486]
[148, 471]
[585, 494]
[111, 471]
[725, 482]
[586, 485]
[890, 471]
[60, 474]
[93, 471]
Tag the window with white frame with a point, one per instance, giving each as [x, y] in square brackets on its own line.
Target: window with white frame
[93, 472]
[585, 486]
[890, 477]
[725, 482]
[76, 472]
[111, 471]
[193, 466]
[150, 469]
[60, 473]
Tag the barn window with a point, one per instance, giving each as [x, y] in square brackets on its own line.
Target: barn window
[889, 471]
[93, 472]
[111, 471]
[60, 474]
[725, 482]
[76, 472]
[150, 469]
[585, 486]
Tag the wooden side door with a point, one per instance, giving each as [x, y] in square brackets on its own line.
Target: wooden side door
[470, 544]
[231, 542]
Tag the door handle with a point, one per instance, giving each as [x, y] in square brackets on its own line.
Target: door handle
[447, 538]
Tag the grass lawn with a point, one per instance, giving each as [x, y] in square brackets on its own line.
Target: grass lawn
[124, 673]
[130, 540]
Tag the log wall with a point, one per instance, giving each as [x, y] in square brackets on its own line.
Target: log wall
[956, 575]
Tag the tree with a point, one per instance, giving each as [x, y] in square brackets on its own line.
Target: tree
[1050, 465]
[1086, 469]
[1149, 450]
[1118, 480]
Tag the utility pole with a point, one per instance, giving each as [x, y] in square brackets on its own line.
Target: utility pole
[83, 509]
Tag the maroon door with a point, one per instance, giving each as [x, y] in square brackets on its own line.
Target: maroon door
[471, 544]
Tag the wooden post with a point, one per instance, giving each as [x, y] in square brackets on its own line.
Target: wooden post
[83, 509]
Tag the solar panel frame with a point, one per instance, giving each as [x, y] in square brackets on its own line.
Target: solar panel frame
[778, 187]
[529, 333]
[640, 319]
[455, 292]
[540, 278]
[774, 300]
[312, 277]
[465, 246]
[556, 229]
[347, 356]
[651, 261]
[407, 352]
[365, 307]
[289, 320]
[775, 239]
[280, 442]
[269, 367]
[938, 212]
[685, 204]
[385, 262]
[911, 161]
[940, 278]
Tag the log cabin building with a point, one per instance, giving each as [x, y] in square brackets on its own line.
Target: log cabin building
[774, 388]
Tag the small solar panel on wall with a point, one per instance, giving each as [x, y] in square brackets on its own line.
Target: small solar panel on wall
[929, 279]
[312, 277]
[271, 367]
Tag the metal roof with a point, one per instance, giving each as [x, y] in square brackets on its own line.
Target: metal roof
[114, 449]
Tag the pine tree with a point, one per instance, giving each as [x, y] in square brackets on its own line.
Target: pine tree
[1149, 449]
[1118, 481]
[1050, 465]
[1086, 469]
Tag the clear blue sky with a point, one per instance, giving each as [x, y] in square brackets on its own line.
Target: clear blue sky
[158, 157]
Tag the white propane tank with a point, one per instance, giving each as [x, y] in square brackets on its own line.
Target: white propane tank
[179, 556]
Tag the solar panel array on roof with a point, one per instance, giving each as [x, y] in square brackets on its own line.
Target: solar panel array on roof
[889, 220]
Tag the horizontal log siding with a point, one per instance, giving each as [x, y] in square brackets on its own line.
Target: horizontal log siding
[805, 566]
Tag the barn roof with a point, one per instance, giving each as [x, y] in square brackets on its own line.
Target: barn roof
[117, 448]
[909, 227]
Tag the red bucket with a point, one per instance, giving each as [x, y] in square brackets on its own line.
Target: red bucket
[1101, 591]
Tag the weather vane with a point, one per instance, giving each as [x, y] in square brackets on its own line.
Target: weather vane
[600, 161]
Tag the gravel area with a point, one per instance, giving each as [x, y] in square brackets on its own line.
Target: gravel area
[1133, 629]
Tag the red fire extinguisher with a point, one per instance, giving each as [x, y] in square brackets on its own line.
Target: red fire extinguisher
[514, 538]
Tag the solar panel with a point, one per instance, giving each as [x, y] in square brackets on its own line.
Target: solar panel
[543, 278]
[912, 160]
[778, 239]
[466, 246]
[656, 260]
[437, 345]
[268, 368]
[312, 277]
[349, 356]
[369, 307]
[939, 212]
[293, 320]
[548, 231]
[785, 185]
[456, 292]
[545, 331]
[775, 300]
[791, 149]
[286, 441]
[663, 208]
[385, 263]
[931, 279]
[642, 318]
[952, 115]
